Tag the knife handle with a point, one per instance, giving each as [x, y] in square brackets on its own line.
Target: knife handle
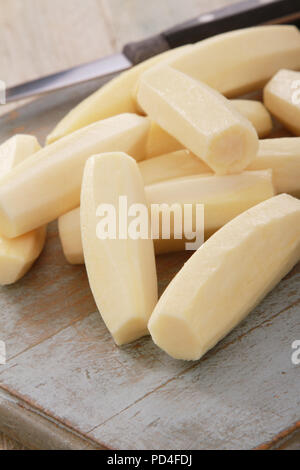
[139, 51]
[240, 15]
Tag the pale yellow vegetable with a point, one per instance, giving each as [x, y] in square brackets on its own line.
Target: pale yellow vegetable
[121, 272]
[200, 118]
[115, 97]
[48, 184]
[257, 114]
[17, 255]
[160, 142]
[171, 165]
[282, 98]
[16, 149]
[70, 236]
[224, 198]
[161, 168]
[234, 63]
[244, 60]
[282, 155]
[227, 277]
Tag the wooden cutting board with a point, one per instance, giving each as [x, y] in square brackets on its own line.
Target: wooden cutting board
[67, 386]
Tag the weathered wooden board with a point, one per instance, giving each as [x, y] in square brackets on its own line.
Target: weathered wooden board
[66, 385]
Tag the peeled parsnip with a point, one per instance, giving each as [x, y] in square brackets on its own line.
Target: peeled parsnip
[121, 272]
[224, 197]
[200, 118]
[49, 182]
[115, 97]
[18, 254]
[70, 236]
[282, 155]
[172, 165]
[157, 169]
[159, 142]
[257, 114]
[241, 61]
[235, 63]
[15, 150]
[227, 277]
[282, 98]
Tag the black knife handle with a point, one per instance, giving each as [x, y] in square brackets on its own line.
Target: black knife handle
[240, 15]
[139, 51]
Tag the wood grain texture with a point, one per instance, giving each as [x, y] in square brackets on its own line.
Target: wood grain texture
[9, 444]
[39, 37]
[66, 385]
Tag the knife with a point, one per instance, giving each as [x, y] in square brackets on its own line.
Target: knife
[241, 15]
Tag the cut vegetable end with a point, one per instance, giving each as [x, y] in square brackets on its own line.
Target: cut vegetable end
[130, 331]
[281, 98]
[267, 240]
[200, 118]
[19, 254]
[177, 337]
[12, 269]
[231, 150]
[226, 152]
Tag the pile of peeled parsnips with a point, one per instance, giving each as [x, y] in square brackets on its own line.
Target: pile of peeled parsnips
[170, 130]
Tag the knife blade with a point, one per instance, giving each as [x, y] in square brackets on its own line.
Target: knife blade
[244, 14]
[103, 67]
